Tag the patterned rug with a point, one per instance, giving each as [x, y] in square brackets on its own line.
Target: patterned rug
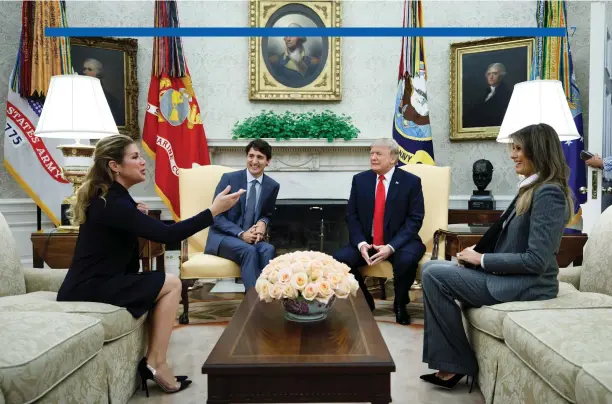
[221, 311]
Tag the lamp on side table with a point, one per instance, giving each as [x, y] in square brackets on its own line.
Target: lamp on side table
[75, 108]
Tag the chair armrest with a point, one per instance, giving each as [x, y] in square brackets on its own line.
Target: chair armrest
[570, 275]
[436, 243]
[184, 252]
[43, 279]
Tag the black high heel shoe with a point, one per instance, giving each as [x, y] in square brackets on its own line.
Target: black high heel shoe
[147, 372]
[449, 383]
[143, 362]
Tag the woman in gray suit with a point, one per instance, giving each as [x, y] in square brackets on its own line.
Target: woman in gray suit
[515, 261]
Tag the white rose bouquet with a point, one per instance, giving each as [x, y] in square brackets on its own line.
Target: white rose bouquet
[313, 275]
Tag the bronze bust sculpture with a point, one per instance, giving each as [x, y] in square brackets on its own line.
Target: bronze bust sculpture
[482, 173]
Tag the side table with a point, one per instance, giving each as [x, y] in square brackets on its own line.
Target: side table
[460, 236]
[57, 248]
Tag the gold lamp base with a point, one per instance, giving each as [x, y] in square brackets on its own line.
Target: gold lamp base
[77, 162]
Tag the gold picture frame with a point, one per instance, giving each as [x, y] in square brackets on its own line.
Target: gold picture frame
[113, 61]
[314, 74]
[476, 112]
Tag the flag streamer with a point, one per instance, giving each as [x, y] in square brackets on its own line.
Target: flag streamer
[39, 57]
[411, 127]
[552, 60]
[32, 161]
[173, 132]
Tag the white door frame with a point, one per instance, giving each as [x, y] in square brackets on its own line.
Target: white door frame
[598, 77]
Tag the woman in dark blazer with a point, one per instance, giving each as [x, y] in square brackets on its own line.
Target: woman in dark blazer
[516, 263]
[105, 265]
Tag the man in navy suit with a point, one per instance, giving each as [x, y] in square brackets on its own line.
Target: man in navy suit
[384, 215]
[238, 233]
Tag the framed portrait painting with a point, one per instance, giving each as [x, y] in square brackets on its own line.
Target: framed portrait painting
[483, 75]
[294, 68]
[113, 61]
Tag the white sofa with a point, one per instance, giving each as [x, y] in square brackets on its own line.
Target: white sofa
[553, 351]
[61, 352]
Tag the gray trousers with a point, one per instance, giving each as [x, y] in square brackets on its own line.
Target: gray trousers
[252, 258]
[445, 345]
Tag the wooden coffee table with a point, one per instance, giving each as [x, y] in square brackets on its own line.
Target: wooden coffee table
[263, 358]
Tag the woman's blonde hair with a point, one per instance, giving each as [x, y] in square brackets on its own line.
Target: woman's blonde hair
[540, 144]
[99, 177]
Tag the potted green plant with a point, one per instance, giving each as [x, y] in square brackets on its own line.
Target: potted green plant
[291, 125]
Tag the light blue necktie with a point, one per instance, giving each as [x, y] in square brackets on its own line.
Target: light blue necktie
[249, 212]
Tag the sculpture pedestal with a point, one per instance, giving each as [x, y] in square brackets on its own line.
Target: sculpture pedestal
[481, 200]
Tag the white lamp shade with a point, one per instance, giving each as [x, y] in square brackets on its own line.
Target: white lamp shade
[75, 108]
[538, 101]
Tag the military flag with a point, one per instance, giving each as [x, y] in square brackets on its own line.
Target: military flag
[34, 162]
[173, 132]
[411, 127]
[552, 60]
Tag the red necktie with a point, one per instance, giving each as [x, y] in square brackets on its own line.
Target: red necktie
[379, 212]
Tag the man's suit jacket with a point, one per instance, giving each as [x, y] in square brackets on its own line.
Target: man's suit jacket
[229, 224]
[527, 249]
[404, 210]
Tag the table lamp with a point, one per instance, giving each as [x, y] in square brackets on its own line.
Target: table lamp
[538, 101]
[75, 108]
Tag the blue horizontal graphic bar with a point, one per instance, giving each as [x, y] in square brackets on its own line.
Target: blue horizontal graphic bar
[325, 32]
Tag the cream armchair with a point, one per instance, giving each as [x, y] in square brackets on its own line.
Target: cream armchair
[196, 190]
[436, 194]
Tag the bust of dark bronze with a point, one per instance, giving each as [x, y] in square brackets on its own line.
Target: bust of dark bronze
[482, 173]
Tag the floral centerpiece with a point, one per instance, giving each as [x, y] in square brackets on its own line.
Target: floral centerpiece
[307, 283]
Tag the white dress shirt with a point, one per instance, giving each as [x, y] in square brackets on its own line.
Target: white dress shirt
[259, 180]
[386, 183]
[491, 94]
[250, 179]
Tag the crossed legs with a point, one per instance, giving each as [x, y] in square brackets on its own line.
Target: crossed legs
[445, 345]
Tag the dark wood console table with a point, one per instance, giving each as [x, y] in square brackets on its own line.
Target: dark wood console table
[461, 236]
[56, 248]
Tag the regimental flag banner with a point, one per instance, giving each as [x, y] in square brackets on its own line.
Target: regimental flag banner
[552, 60]
[411, 127]
[173, 133]
[32, 161]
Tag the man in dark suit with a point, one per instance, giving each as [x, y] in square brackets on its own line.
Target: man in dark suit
[384, 215]
[238, 233]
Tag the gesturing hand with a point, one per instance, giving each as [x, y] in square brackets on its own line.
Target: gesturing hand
[224, 201]
[141, 206]
[383, 252]
[364, 253]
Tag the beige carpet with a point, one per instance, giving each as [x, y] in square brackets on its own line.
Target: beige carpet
[191, 344]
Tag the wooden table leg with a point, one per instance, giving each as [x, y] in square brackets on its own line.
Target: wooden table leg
[37, 261]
